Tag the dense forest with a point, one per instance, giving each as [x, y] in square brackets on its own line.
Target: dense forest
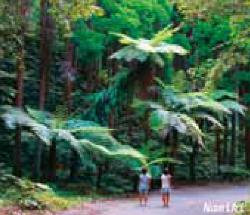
[91, 91]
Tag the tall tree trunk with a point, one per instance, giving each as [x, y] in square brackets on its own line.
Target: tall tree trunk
[52, 161]
[19, 103]
[99, 176]
[218, 150]
[20, 69]
[225, 142]
[233, 140]
[46, 29]
[69, 76]
[167, 141]
[70, 59]
[247, 143]
[74, 163]
[46, 35]
[145, 77]
[174, 147]
[192, 164]
[146, 127]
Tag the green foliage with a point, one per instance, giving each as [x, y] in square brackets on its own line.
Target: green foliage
[235, 173]
[65, 12]
[246, 208]
[90, 44]
[32, 196]
[206, 80]
[242, 76]
[141, 49]
[79, 134]
[136, 18]
[181, 110]
[234, 106]
[162, 120]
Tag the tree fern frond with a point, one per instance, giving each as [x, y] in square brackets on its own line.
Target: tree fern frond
[164, 34]
[192, 128]
[69, 138]
[161, 120]
[80, 135]
[121, 150]
[90, 129]
[40, 116]
[170, 48]
[204, 103]
[124, 39]
[16, 117]
[222, 94]
[210, 119]
[140, 49]
[164, 160]
[129, 54]
[234, 106]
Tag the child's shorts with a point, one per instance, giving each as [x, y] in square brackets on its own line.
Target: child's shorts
[143, 190]
[165, 190]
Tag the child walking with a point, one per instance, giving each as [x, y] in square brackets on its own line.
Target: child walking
[144, 186]
[166, 187]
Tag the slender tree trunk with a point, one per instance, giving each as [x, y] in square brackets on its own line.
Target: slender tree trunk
[192, 165]
[145, 77]
[73, 165]
[20, 69]
[111, 118]
[37, 161]
[45, 53]
[52, 161]
[225, 142]
[146, 128]
[233, 141]
[70, 59]
[166, 145]
[69, 76]
[46, 35]
[17, 170]
[218, 150]
[19, 103]
[174, 147]
[247, 143]
[99, 176]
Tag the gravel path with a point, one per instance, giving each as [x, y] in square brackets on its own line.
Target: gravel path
[185, 201]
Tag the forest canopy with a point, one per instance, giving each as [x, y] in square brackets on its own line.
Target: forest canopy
[91, 91]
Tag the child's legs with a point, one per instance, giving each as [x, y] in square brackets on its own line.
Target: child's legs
[146, 197]
[141, 195]
[165, 195]
[167, 198]
[164, 198]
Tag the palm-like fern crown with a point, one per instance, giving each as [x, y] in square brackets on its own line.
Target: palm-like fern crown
[81, 135]
[141, 49]
[182, 110]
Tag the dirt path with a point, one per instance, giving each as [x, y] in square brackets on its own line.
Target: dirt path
[185, 200]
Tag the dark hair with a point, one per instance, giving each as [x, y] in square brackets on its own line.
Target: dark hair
[165, 171]
[144, 170]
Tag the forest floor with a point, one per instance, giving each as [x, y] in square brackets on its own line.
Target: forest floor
[189, 200]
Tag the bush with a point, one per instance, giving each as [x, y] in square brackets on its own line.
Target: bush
[246, 209]
[234, 173]
[33, 196]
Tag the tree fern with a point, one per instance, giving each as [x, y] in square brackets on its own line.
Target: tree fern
[82, 136]
[141, 49]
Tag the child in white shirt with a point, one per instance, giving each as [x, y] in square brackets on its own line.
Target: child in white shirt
[166, 187]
